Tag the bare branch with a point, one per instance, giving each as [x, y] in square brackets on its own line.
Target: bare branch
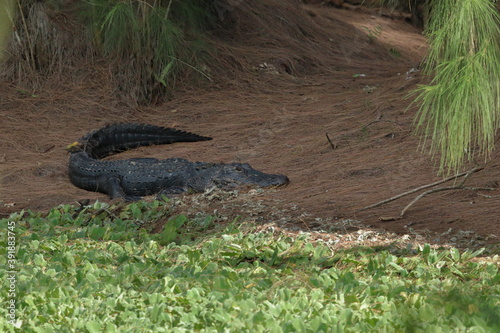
[466, 174]
[449, 188]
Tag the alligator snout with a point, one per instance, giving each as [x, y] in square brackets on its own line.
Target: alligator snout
[279, 180]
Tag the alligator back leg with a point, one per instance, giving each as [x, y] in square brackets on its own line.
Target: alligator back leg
[111, 186]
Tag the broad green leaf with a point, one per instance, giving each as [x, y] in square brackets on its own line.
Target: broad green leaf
[39, 260]
[93, 327]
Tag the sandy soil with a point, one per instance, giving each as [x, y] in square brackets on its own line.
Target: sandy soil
[276, 117]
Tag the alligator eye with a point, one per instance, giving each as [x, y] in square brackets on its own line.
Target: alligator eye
[239, 169]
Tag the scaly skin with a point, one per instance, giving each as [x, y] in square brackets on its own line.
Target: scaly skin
[133, 178]
[115, 138]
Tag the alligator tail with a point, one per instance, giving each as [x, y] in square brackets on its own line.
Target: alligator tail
[116, 138]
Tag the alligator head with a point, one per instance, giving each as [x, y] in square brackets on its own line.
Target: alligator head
[230, 176]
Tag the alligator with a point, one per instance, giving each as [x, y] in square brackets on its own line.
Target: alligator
[131, 179]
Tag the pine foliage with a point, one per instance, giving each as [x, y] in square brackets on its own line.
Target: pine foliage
[460, 109]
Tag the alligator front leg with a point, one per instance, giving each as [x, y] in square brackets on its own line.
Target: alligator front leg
[171, 191]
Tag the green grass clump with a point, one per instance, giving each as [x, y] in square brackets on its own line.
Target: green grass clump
[74, 276]
[150, 43]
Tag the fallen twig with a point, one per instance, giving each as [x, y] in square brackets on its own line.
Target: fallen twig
[83, 205]
[46, 150]
[466, 173]
[334, 146]
[449, 188]
[458, 187]
[110, 211]
[489, 196]
[382, 121]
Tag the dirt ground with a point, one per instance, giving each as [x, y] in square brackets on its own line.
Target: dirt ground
[276, 117]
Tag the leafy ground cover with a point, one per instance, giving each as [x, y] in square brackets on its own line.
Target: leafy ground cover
[100, 269]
